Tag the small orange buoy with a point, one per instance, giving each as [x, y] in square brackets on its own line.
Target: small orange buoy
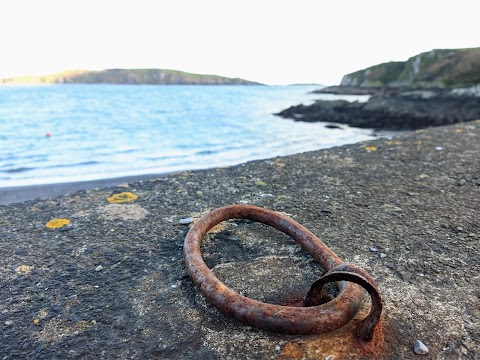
[48, 134]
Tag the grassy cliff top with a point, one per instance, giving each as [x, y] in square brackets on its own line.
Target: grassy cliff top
[436, 68]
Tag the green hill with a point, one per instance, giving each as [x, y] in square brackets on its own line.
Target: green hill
[436, 68]
[128, 76]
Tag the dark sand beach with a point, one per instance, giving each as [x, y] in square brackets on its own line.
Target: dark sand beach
[112, 283]
[9, 195]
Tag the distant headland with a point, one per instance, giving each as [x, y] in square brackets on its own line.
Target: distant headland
[435, 88]
[127, 76]
[440, 68]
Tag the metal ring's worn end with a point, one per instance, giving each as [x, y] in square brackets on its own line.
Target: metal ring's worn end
[347, 272]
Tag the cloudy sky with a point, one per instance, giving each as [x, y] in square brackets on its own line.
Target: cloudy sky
[274, 42]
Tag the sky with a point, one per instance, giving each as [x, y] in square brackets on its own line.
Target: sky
[272, 42]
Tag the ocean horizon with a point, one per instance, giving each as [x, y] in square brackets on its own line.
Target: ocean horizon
[68, 133]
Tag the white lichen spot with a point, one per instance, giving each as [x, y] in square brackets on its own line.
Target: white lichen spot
[123, 212]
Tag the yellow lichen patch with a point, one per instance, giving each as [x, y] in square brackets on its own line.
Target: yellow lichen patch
[23, 269]
[371, 148]
[56, 330]
[57, 223]
[391, 142]
[84, 325]
[41, 315]
[477, 121]
[458, 130]
[122, 197]
[418, 142]
[260, 183]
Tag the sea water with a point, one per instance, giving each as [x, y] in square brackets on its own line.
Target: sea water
[63, 133]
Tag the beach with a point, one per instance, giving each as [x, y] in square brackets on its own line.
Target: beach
[111, 282]
[14, 194]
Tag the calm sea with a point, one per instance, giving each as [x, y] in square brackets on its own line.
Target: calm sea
[103, 131]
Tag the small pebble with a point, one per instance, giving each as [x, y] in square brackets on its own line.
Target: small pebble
[373, 249]
[8, 322]
[461, 182]
[383, 255]
[277, 347]
[439, 148]
[186, 221]
[420, 348]
[99, 268]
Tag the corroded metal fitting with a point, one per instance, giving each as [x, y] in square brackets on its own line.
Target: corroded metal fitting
[314, 317]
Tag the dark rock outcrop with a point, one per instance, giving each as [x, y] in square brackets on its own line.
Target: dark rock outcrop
[439, 87]
[391, 109]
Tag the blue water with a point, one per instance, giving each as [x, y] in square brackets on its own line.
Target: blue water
[103, 131]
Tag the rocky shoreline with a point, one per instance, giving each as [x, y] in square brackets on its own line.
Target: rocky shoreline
[389, 108]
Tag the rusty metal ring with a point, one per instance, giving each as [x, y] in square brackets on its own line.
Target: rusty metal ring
[284, 319]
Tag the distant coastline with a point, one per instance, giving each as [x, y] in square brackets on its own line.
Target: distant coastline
[127, 76]
[440, 87]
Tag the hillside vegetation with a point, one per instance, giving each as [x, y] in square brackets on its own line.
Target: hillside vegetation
[437, 68]
[128, 76]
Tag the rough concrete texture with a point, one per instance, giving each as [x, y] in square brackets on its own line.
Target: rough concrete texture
[111, 284]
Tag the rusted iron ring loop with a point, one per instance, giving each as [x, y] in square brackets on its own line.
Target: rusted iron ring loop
[284, 319]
